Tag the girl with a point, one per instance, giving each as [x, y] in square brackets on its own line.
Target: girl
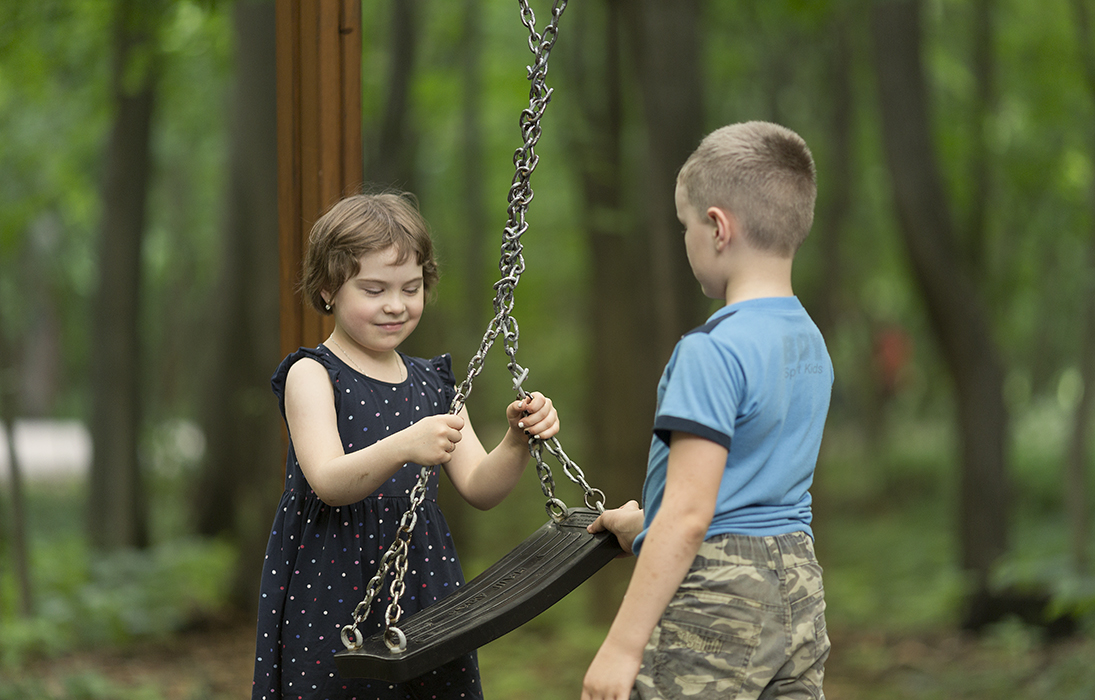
[361, 417]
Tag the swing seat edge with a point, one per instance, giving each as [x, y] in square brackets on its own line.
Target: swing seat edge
[532, 577]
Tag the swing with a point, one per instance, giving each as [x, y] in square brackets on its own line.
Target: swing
[556, 558]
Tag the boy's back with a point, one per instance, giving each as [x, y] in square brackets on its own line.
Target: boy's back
[756, 378]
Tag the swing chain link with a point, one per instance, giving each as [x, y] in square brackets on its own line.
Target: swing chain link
[512, 262]
[512, 266]
[394, 559]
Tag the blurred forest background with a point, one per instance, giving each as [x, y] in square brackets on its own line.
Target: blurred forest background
[951, 269]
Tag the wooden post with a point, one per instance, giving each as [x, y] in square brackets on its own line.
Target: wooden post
[319, 139]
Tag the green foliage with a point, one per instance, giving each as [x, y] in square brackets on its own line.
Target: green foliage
[84, 600]
[885, 508]
[885, 492]
[83, 686]
[1010, 661]
[538, 662]
[54, 113]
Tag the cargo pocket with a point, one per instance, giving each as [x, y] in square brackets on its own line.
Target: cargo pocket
[702, 655]
[821, 637]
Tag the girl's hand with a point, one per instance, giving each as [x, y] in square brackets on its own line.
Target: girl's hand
[626, 522]
[534, 416]
[433, 439]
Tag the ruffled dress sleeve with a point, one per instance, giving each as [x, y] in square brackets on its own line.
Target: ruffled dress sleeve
[442, 364]
[321, 355]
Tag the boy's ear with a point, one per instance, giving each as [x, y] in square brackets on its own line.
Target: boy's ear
[726, 226]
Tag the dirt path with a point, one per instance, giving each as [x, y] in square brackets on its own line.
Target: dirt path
[216, 664]
[212, 664]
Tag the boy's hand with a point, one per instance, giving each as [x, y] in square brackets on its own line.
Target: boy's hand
[534, 416]
[612, 674]
[626, 522]
[433, 439]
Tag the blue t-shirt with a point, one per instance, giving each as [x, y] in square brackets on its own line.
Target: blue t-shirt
[756, 379]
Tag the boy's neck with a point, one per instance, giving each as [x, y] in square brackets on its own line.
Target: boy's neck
[762, 277]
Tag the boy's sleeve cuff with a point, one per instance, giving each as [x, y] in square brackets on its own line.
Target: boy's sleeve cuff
[665, 425]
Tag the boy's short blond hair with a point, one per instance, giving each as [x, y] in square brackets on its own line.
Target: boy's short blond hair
[359, 225]
[761, 172]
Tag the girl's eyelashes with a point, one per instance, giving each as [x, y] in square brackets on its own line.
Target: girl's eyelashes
[409, 291]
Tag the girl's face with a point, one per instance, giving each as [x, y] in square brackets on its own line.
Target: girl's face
[380, 307]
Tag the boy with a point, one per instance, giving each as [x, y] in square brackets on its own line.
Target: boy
[726, 600]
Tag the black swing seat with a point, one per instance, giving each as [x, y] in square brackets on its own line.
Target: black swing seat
[538, 573]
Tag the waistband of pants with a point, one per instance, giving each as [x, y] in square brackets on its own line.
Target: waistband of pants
[773, 552]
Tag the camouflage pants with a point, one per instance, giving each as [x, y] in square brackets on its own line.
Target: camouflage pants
[747, 622]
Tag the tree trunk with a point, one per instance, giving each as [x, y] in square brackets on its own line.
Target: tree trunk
[984, 105]
[478, 233]
[1076, 479]
[12, 372]
[622, 370]
[955, 309]
[1076, 470]
[829, 290]
[240, 478]
[390, 156]
[476, 302]
[833, 214]
[665, 52]
[392, 161]
[117, 512]
[319, 139]
[19, 555]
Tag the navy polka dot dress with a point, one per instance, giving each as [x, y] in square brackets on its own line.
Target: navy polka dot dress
[320, 558]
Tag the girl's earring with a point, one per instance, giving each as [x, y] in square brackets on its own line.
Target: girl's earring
[327, 306]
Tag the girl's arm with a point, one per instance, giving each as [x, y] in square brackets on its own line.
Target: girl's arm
[692, 482]
[339, 478]
[483, 479]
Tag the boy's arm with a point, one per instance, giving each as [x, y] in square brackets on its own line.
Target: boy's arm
[694, 472]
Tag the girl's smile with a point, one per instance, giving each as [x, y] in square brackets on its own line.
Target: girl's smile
[378, 309]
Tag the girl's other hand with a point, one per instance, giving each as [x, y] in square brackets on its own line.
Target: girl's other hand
[534, 416]
[433, 439]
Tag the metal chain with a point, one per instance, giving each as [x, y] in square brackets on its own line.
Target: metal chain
[512, 262]
[395, 558]
[511, 265]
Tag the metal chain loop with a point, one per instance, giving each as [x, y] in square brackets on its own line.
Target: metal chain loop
[394, 559]
[511, 266]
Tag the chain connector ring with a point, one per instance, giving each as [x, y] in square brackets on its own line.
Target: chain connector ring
[557, 509]
[357, 641]
[397, 645]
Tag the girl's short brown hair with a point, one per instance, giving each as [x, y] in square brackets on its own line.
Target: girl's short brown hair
[362, 224]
